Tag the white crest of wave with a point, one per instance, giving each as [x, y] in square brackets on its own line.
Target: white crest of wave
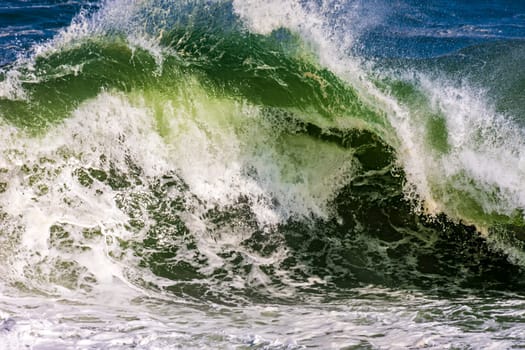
[486, 147]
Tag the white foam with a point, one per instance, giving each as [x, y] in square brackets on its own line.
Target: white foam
[401, 321]
[126, 18]
[236, 152]
[485, 153]
[49, 194]
[11, 86]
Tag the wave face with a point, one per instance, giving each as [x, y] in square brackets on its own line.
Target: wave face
[274, 175]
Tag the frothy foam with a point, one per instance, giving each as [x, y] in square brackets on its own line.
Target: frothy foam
[486, 147]
[482, 158]
[43, 194]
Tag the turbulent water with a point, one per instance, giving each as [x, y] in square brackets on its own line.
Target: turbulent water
[255, 174]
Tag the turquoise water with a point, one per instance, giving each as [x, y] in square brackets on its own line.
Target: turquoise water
[277, 175]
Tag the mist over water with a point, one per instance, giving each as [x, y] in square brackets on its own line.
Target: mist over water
[261, 175]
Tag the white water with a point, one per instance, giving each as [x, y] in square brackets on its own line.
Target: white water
[363, 320]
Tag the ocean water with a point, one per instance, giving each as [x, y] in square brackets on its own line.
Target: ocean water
[252, 174]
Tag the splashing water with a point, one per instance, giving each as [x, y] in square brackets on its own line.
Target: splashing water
[258, 175]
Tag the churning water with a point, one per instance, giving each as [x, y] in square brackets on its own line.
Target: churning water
[255, 174]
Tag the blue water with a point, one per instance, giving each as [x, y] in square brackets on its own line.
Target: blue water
[25, 23]
[398, 29]
[433, 28]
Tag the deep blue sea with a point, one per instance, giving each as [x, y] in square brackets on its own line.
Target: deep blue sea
[247, 174]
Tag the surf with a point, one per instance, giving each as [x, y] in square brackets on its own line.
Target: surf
[228, 154]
